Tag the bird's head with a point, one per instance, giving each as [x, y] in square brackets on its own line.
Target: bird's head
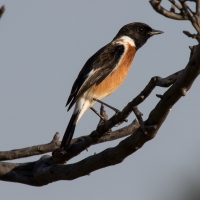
[138, 32]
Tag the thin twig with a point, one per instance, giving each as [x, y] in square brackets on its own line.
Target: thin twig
[187, 10]
[194, 19]
[158, 8]
[178, 6]
[172, 9]
[194, 36]
[30, 151]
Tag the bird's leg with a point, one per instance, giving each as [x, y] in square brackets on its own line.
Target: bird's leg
[105, 104]
[98, 114]
[115, 109]
[138, 115]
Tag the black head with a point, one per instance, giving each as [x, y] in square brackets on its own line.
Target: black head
[137, 31]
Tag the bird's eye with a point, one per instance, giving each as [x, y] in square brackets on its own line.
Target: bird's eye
[141, 30]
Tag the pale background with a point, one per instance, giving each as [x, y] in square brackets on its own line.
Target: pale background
[43, 46]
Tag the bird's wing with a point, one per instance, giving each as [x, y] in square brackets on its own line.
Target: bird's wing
[95, 70]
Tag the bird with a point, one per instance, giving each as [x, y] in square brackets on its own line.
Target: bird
[104, 72]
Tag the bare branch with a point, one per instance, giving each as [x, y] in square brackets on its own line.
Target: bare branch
[30, 151]
[75, 149]
[55, 144]
[198, 8]
[194, 36]
[44, 171]
[158, 8]
[194, 19]
[81, 143]
[172, 9]
[187, 10]
[178, 6]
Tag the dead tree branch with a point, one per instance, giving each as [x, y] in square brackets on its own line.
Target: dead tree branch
[186, 13]
[194, 36]
[131, 144]
[198, 7]
[54, 144]
[172, 15]
[45, 170]
[81, 143]
[30, 151]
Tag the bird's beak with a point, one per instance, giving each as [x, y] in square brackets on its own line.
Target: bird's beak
[155, 32]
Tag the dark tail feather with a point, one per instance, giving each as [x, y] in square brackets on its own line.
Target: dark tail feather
[69, 131]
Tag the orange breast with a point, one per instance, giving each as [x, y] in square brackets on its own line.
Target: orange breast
[114, 80]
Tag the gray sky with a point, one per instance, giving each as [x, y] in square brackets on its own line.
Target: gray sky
[44, 44]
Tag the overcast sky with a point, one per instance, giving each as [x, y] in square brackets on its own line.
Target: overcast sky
[43, 46]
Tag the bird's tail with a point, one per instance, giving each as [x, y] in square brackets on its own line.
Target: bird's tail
[69, 132]
[80, 108]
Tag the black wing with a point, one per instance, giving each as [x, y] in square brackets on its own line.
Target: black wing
[95, 70]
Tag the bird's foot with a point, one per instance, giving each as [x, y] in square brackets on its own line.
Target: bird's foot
[139, 115]
[101, 117]
[58, 153]
[112, 108]
[105, 104]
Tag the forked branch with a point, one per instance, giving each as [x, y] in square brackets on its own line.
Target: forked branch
[81, 143]
[169, 14]
[45, 170]
[185, 13]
